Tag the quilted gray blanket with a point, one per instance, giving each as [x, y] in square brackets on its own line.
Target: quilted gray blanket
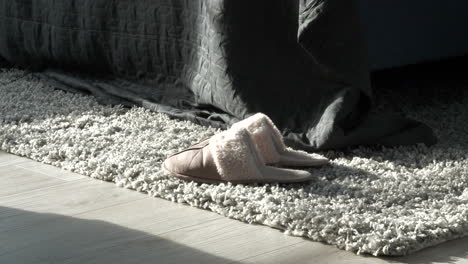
[214, 62]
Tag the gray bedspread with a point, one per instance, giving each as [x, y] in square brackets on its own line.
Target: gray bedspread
[214, 62]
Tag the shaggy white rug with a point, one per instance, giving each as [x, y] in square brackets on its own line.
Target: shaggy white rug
[377, 201]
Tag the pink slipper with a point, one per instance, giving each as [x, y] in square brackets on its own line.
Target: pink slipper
[230, 156]
[271, 147]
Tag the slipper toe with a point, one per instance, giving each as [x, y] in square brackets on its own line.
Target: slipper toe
[295, 158]
[195, 164]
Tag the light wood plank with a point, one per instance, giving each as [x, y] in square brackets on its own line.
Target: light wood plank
[454, 251]
[69, 195]
[152, 215]
[312, 252]
[7, 159]
[152, 249]
[16, 180]
[50, 170]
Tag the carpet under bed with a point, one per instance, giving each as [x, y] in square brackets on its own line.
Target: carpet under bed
[382, 201]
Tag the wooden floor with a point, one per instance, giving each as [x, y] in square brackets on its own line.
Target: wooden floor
[48, 215]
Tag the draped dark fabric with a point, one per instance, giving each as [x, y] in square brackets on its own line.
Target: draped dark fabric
[214, 62]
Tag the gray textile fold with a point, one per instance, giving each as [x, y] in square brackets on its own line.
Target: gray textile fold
[213, 62]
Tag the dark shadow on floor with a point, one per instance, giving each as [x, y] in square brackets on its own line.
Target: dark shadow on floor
[52, 238]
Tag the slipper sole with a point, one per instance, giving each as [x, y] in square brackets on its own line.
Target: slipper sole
[249, 181]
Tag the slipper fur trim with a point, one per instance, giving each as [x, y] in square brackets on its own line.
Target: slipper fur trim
[235, 155]
[259, 127]
[270, 141]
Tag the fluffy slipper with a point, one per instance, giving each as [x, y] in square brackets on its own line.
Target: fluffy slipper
[271, 147]
[230, 156]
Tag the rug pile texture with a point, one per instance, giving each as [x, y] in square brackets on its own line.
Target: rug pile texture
[381, 201]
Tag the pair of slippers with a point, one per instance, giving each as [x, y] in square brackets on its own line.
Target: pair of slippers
[243, 154]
